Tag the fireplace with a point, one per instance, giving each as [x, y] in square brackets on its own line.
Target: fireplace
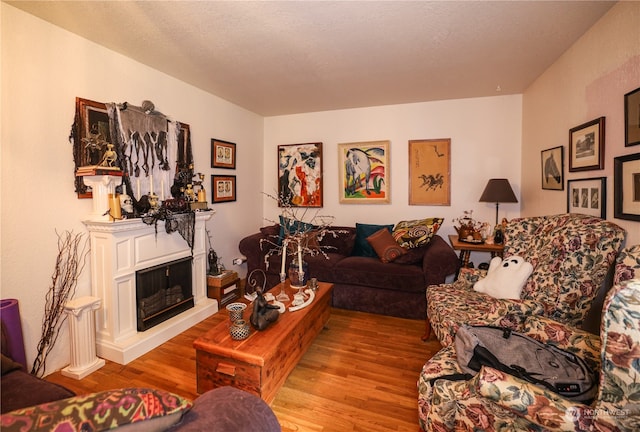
[163, 292]
[122, 251]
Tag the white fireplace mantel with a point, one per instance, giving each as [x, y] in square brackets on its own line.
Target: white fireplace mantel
[118, 250]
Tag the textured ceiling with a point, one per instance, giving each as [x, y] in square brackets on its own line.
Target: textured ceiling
[283, 57]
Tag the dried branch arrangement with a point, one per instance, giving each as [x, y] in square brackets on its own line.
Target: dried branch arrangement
[72, 253]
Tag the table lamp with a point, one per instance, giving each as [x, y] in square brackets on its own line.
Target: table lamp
[497, 191]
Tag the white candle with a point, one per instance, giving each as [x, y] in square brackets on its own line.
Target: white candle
[284, 256]
[138, 188]
[151, 183]
[299, 258]
[162, 189]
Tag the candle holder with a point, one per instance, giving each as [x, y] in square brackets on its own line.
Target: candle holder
[282, 296]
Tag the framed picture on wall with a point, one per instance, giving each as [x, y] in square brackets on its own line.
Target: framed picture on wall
[430, 172]
[223, 154]
[223, 188]
[552, 163]
[300, 175]
[586, 146]
[632, 118]
[626, 187]
[91, 134]
[364, 172]
[588, 196]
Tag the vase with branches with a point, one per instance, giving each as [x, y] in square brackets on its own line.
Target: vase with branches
[302, 232]
[72, 253]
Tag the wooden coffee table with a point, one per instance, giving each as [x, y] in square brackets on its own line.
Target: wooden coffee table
[261, 363]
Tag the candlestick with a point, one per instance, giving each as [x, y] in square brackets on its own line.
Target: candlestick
[284, 256]
[299, 258]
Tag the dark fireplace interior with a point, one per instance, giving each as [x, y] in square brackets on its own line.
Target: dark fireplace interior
[163, 292]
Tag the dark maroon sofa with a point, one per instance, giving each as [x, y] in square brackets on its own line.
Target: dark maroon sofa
[361, 283]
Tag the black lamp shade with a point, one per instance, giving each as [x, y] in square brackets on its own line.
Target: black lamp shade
[498, 191]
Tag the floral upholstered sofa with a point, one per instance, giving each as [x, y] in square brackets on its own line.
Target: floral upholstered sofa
[571, 254]
[494, 401]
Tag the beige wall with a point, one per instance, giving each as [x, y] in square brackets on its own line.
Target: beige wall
[587, 82]
[485, 141]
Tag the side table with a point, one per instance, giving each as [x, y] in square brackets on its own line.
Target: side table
[225, 289]
[466, 249]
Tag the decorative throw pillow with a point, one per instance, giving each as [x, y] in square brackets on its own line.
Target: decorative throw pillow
[362, 246]
[415, 233]
[136, 408]
[505, 279]
[291, 226]
[385, 245]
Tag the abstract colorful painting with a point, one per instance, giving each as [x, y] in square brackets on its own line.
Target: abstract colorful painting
[300, 175]
[364, 172]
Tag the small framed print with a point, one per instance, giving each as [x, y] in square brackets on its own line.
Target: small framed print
[586, 146]
[223, 188]
[223, 154]
[632, 118]
[552, 161]
[626, 187]
[588, 196]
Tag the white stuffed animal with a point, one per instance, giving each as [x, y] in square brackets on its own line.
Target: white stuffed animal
[505, 279]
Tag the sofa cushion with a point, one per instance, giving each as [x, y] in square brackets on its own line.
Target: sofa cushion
[140, 409]
[271, 230]
[20, 389]
[413, 255]
[385, 246]
[416, 233]
[8, 365]
[362, 247]
[367, 271]
[338, 239]
[226, 409]
[292, 226]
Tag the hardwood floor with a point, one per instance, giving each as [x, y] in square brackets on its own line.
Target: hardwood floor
[359, 374]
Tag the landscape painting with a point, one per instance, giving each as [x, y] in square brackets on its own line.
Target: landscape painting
[364, 172]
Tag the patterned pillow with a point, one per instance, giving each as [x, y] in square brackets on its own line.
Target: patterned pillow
[415, 233]
[385, 245]
[136, 408]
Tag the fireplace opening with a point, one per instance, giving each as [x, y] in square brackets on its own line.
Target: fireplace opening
[163, 292]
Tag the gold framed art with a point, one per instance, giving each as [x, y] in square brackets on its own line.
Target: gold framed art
[364, 172]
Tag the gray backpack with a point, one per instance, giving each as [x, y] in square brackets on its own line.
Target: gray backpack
[524, 357]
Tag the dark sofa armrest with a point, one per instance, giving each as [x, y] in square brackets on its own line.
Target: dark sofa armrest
[255, 247]
[439, 261]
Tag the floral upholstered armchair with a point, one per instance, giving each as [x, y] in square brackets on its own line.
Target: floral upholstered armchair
[495, 401]
[571, 255]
